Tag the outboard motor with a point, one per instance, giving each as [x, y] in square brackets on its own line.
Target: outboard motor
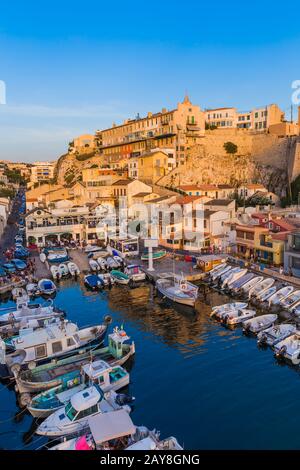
[262, 340]
[124, 399]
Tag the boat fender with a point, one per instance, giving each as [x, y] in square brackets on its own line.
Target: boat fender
[108, 319]
[31, 365]
[25, 399]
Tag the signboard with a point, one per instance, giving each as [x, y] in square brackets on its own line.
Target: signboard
[151, 242]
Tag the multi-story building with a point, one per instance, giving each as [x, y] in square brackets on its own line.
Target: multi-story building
[151, 166]
[292, 253]
[42, 171]
[258, 119]
[174, 131]
[83, 144]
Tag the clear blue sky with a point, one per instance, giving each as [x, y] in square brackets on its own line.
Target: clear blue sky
[74, 67]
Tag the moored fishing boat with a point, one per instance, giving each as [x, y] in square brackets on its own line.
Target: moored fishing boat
[18, 292]
[73, 269]
[257, 324]
[280, 295]
[220, 309]
[42, 345]
[237, 316]
[119, 277]
[63, 269]
[106, 279]
[56, 274]
[290, 302]
[239, 283]
[289, 348]
[46, 287]
[49, 375]
[73, 417]
[253, 282]
[157, 255]
[135, 273]
[26, 311]
[115, 431]
[112, 263]
[217, 272]
[96, 373]
[92, 281]
[236, 274]
[261, 286]
[275, 334]
[178, 290]
[102, 263]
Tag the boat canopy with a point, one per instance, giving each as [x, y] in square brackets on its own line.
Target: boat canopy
[118, 336]
[94, 369]
[144, 444]
[85, 399]
[111, 425]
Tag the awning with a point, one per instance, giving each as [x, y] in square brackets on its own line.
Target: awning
[111, 425]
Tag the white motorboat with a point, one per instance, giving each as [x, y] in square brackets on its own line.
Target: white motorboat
[280, 295]
[26, 326]
[93, 265]
[218, 273]
[292, 301]
[250, 284]
[227, 274]
[218, 310]
[73, 269]
[234, 276]
[237, 316]
[135, 273]
[46, 287]
[289, 348]
[112, 263]
[118, 260]
[257, 288]
[257, 324]
[239, 283]
[217, 268]
[264, 295]
[106, 278]
[275, 334]
[102, 263]
[115, 431]
[46, 343]
[178, 290]
[74, 416]
[96, 373]
[26, 311]
[63, 269]
[56, 274]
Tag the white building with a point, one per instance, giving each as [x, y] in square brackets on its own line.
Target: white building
[42, 171]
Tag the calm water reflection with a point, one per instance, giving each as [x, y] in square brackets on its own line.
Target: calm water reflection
[209, 386]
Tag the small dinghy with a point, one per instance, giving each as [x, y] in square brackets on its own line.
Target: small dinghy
[239, 283]
[156, 255]
[257, 324]
[218, 310]
[98, 373]
[92, 281]
[275, 334]
[178, 290]
[237, 316]
[234, 276]
[219, 272]
[227, 275]
[112, 263]
[63, 269]
[19, 292]
[93, 265]
[56, 274]
[73, 417]
[119, 277]
[264, 295]
[118, 260]
[102, 263]
[43, 257]
[280, 295]
[290, 302]
[289, 348]
[46, 287]
[253, 282]
[106, 279]
[73, 269]
[135, 273]
[261, 286]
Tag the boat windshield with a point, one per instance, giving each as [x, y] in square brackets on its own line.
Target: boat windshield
[70, 412]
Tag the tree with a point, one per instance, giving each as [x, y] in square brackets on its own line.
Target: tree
[230, 147]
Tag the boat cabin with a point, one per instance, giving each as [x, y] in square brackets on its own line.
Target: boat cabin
[102, 374]
[207, 262]
[115, 342]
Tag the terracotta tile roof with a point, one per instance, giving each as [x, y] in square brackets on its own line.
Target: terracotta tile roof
[122, 182]
[188, 199]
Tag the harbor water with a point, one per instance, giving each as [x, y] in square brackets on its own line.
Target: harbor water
[209, 386]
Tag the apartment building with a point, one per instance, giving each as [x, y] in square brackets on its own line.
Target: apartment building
[173, 131]
[151, 166]
[292, 253]
[83, 144]
[258, 119]
[41, 171]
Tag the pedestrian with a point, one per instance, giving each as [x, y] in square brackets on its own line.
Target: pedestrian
[281, 270]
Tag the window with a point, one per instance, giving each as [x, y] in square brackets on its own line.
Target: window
[56, 347]
[87, 412]
[40, 351]
[70, 342]
[70, 411]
